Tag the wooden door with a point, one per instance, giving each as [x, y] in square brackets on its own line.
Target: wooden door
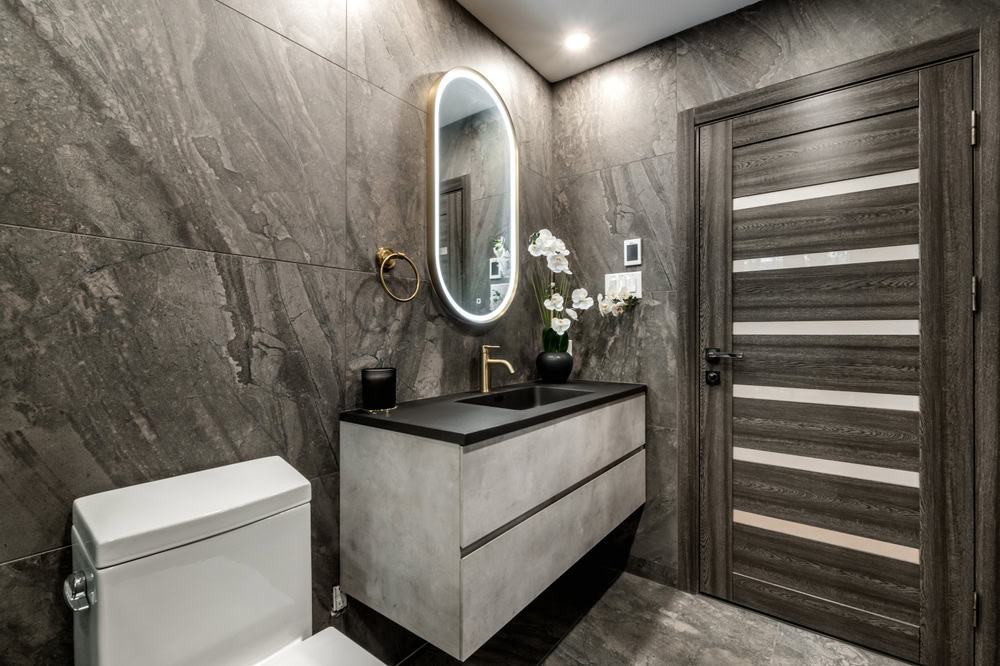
[836, 241]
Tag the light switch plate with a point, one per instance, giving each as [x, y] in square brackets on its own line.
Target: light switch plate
[614, 282]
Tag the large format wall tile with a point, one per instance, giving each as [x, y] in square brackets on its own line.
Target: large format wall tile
[616, 113]
[403, 46]
[221, 126]
[653, 553]
[321, 27]
[597, 211]
[125, 362]
[35, 622]
[386, 181]
[431, 355]
[325, 534]
[781, 39]
[639, 346]
[181, 122]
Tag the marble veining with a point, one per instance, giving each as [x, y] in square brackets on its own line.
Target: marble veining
[635, 200]
[181, 123]
[638, 621]
[126, 362]
[780, 39]
[414, 43]
[617, 113]
[386, 195]
[191, 194]
[317, 26]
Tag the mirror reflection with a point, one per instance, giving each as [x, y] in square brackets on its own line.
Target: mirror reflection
[473, 239]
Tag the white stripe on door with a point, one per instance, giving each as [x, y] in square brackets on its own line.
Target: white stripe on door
[831, 537]
[909, 403]
[836, 327]
[832, 258]
[896, 477]
[894, 179]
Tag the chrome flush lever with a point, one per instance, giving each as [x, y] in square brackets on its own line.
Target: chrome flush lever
[713, 355]
[75, 591]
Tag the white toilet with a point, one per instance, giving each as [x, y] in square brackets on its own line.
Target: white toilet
[208, 569]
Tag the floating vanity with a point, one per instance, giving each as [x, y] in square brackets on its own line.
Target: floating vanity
[456, 512]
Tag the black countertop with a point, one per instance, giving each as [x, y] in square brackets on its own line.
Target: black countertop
[447, 419]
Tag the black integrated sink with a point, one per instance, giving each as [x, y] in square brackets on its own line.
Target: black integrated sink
[525, 398]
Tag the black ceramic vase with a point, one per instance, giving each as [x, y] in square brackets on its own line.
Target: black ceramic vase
[554, 367]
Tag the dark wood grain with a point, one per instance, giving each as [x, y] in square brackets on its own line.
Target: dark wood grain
[851, 150]
[946, 372]
[688, 367]
[882, 290]
[878, 632]
[852, 73]
[869, 582]
[876, 218]
[715, 210]
[861, 435]
[875, 98]
[987, 335]
[875, 510]
[868, 363]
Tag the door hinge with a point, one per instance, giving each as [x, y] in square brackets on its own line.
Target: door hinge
[975, 610]
[975, 293]
[972, 132]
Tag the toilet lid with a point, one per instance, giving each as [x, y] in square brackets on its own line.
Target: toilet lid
[327, 648]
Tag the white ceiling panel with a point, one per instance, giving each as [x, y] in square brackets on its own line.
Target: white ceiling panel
[536, 29]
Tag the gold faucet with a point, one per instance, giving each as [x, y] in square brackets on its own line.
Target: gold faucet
[484, 364]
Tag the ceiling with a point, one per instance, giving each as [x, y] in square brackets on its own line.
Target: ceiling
[536, 28]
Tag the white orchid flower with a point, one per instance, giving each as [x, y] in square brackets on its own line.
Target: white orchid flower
[603, 305]
[557, 246]
[560, 326]
[571, 313]
[581, 300]
[540, 242]
[554, 303]
[558, 264]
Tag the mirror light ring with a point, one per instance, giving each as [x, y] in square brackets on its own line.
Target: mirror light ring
[433, 199]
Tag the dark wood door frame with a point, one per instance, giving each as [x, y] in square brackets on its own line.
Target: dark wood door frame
[984, 46]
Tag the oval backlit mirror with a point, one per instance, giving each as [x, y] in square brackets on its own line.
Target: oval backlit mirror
[472, 234]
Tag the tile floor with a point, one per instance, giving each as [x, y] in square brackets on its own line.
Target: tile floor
[644, 623]
[625, 620]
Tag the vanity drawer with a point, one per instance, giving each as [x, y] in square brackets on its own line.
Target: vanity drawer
[503, 576]
[502, 481]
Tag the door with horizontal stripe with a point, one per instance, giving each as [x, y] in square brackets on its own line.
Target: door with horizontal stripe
[837, 407]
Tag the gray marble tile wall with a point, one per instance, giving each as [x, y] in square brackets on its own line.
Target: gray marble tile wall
[614, 141]
[191, 194]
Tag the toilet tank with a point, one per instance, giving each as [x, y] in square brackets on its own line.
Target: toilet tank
[206, 568]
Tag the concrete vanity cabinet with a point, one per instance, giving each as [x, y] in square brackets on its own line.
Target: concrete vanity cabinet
[452, 539]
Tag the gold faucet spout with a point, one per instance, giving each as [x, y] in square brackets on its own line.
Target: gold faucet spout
[506, 364]
[484, 366]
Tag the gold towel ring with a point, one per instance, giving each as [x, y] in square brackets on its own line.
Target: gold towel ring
[386, 258]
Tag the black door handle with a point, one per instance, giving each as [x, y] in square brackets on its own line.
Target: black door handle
[713, 355]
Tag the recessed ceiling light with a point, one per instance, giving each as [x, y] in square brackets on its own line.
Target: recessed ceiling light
[577, 41]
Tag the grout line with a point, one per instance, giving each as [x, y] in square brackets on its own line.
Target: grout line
[118, 239]
[286, 37]
[320, 55]
[38, 554]
[614, 166]
[409, 656]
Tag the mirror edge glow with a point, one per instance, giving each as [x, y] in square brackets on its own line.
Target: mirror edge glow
[433, 197]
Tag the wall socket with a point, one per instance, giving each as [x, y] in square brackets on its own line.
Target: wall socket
[615, 282]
